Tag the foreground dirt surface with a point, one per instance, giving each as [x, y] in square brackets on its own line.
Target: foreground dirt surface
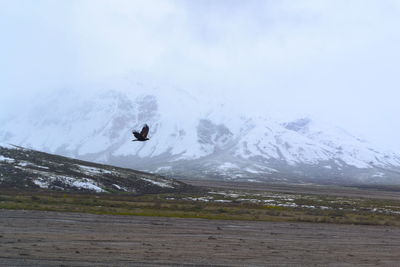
[38, 238]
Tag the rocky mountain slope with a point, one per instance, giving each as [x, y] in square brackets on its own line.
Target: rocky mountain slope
[190, 138]
[25, 168]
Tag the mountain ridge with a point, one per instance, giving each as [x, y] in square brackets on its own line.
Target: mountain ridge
[29, 169]
[190, 139]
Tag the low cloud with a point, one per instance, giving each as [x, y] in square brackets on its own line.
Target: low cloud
[333, 59]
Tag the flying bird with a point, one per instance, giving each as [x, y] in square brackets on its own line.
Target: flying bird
[142, 136]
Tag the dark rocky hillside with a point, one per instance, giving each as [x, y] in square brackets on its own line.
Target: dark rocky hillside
[30, 169]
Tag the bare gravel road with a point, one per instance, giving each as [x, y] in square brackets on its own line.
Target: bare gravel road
[38, 238]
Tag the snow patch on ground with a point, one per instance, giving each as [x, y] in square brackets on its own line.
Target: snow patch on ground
[30, 164]
[87, 184]
[253, 181]
[159, 183]
[252, 171]
[24, 163]
[5, 145]
[41, 183]
[120, 187]
[6, 159]
[204, 199]
[93, 170]
[227, 166]
[265, 168]
[163, 168]
[47, 179]
[233, 195]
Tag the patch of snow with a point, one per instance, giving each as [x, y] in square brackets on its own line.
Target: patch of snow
[163, 168]
[49, 178]
[87, 184]
[227, 166]
[252, 171]
[265, 168]
[6, 159]
[253, 181]
[119, 187]
[5, 145]
[43, 167]
[269, 201]
[289, 205]
[41, 183]
[24, 163]
[205, 199]
[159, 183]
[233, 195]
[93, 170]
[116, 186]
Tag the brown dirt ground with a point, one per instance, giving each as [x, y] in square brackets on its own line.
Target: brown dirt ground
[39, 238]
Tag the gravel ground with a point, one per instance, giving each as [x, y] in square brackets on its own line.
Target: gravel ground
[38, 238]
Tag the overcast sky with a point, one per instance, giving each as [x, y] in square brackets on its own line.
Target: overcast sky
[337, 60]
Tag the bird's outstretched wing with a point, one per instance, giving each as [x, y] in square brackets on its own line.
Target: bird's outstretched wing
[145, 131]
[136, 134]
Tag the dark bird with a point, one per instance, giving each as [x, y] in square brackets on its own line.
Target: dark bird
[142, 136]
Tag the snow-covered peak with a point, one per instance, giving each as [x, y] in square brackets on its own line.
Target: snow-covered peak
[189, 136]
[347, 147]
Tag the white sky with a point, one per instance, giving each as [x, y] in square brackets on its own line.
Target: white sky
[337, 60]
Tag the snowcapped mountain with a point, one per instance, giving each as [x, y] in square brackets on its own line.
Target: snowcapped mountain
[193, 138]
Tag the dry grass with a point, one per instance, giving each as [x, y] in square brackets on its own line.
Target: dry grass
[336, 210]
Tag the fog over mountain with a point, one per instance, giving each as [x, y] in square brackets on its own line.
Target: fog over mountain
[193, 139]
[209, 68]
[333, 59]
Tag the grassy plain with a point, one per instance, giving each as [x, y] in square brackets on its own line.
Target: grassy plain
[217, 203]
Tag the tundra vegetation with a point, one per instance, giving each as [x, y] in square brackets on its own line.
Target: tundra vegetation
[215, 204]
